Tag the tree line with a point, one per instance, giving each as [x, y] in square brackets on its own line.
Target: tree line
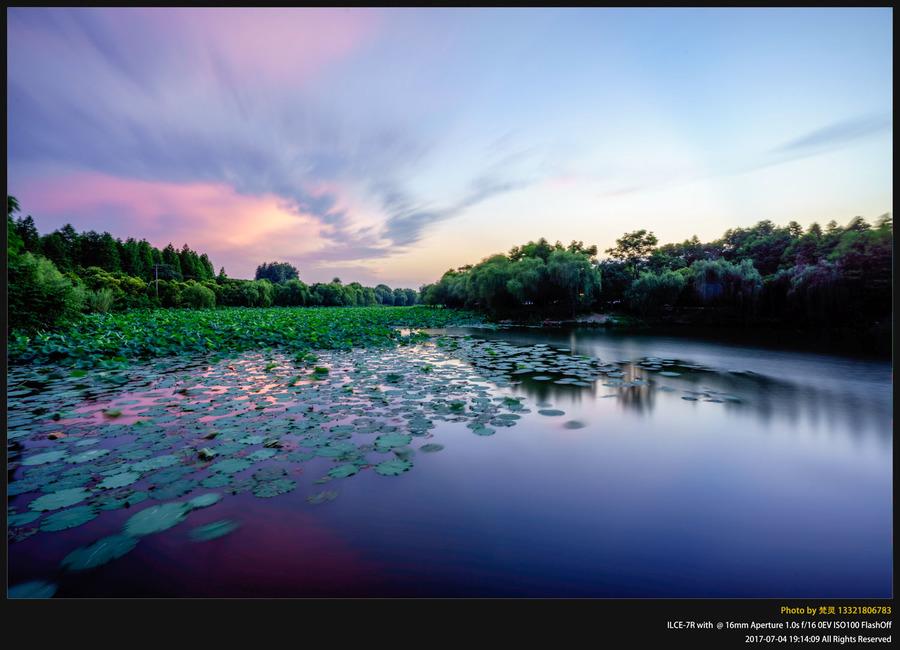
[836, 277]
[832, 277]
[55, 277]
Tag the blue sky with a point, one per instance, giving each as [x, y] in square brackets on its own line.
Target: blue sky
[390, 145]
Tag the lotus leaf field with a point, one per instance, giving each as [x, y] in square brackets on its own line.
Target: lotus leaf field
[142, 334]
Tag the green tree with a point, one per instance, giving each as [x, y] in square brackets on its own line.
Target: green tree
[633, 249]
[171, 259]
[39, 296]
[277, 272]
[652, 293]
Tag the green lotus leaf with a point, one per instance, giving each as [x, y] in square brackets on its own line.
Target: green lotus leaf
[154, 463]
[156, 519]
[268, 489]
[59, 499]
[70, 518]
[322, 497]
[393, 467]
[46, 457]
[213, 530]
[33, 589]
[99, 553]
[388, 441]
[205, 500]
[21, 519]
[87, 456]
[343, 471]
[230, 465]
[119, 480]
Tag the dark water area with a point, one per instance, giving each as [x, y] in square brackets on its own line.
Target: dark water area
[652, 466]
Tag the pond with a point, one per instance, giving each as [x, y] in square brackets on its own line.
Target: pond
[532, 462]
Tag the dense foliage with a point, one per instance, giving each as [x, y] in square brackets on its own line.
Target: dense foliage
[55, 277]
[144, 333]
[818, 278]
[537, 278]
[277, 272]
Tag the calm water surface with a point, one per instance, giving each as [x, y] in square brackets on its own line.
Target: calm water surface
[772, 480]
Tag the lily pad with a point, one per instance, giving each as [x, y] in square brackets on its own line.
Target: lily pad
[22, 518]
[70, 518]
[393, 467]
[322, 497]
[99, 553]
[231, 465]
[33, 589]
[119, 480]
[213, 531]
[87, 456]
[431, 447]
[270, 489]
[343, 471]
[388, 441]
[551, 412]
[205, 500]
[154, 463]
[156, 519]
[59, 499]
[47, 457]
[481, 430]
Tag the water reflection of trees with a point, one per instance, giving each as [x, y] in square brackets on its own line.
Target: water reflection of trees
[766, 398]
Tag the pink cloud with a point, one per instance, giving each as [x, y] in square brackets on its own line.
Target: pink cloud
[287, 45]
[235, 230]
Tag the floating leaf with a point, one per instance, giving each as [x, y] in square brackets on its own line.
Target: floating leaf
[59, 499]
[154, 463]
[33, 589]
[205, 500]
[393, 467]
[87, 456]
[343, 471]
[99, 553]
[481, 430]
[119, 480]
[388, 441]
[270, 489]
[431, 447]
[21, 519]
[156, 519]
[230, 466]
[70, 518]
[47, 457]
[322, 497]
[213, 531]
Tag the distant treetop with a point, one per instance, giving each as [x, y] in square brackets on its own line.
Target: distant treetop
[277, 272]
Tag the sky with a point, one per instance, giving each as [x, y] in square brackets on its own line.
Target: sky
[389, 145]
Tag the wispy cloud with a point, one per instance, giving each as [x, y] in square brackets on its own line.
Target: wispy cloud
[834, 136]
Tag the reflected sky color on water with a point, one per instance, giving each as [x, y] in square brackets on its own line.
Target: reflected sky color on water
[781, 489]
